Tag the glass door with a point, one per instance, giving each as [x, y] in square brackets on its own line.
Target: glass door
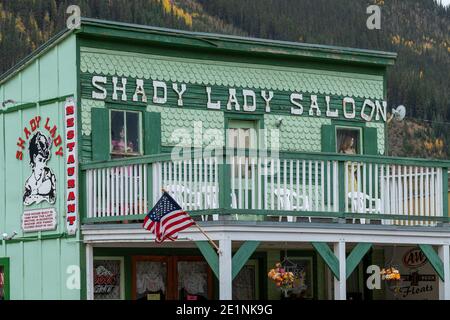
[171, 278]
[150, 278]
[194, 278]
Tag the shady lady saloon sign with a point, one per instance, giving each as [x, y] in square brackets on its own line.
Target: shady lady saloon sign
[241, 100]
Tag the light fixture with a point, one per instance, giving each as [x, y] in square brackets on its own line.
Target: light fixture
[4, 103]
[5, 236]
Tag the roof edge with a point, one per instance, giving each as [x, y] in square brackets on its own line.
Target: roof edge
[41, 50]
[215, 41]
[219, 41]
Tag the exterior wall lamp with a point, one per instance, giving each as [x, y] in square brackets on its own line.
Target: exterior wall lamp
[4, 103]
[5, 236]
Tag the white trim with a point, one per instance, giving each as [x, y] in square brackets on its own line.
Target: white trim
[306, 233]
[444, 286]
[89, 272]
[340, 286]
[225, 266]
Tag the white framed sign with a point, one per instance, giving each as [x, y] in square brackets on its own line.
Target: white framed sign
[39, 220]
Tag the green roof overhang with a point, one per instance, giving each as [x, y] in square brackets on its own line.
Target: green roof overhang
[234, 44]
[118, 31]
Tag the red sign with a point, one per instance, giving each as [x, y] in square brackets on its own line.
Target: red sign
[33, 125]
[71, 167]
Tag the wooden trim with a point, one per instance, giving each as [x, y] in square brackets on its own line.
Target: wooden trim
[210, 256]
[434, 259]
[328, 256]
[241, 257]
[283, 155]
[221, 43]
[355, 257]
[320, 214]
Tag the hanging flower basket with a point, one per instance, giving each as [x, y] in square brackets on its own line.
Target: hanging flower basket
[390, 274]
[282, 278]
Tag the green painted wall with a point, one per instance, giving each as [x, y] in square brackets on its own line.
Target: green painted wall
[221, 73]
[38, 266]
[297, 133]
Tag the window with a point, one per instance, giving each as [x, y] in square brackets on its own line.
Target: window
[242, 135]
[245, 285]
[150, 279]
[192, 280]
[4, 279]
[125, 133]
[108, 278]
[348, 140]
[2, 283]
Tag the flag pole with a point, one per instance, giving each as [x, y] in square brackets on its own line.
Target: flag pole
[203, 231]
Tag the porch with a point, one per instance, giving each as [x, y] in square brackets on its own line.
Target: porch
[286, 186]
[340, 248]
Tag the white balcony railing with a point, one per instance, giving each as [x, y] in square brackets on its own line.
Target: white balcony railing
[401, 192]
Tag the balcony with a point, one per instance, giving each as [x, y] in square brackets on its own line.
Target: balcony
[287, 187]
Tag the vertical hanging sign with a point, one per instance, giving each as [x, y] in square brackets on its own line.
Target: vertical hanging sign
[71, 166]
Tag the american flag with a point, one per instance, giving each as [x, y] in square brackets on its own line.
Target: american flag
[166, 219]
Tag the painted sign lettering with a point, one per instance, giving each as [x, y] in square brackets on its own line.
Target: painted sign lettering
[47, 128]
[71, 167]
[243, 100]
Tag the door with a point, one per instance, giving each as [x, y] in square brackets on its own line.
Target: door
[150, 278]
[171, 278]
[242, 135]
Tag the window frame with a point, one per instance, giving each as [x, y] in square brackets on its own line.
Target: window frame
[122, 274]
[140, 134]
[353, 128]
[4, 262]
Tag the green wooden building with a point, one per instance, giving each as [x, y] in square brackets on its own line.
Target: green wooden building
[278, 150]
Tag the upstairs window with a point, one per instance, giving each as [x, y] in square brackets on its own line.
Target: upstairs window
[125, 133]
[348, 140]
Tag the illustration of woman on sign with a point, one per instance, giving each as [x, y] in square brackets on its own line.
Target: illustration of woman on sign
[41, 184]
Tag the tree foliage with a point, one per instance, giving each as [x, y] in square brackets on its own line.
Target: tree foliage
[418, 30]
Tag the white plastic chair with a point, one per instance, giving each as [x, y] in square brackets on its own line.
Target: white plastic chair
[359, 202]
[210, 195]
[289, 201]
[184, 196]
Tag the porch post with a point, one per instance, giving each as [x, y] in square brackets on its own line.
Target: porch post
[444, 286]
[89, 272]
[225, 269]
[340, 290]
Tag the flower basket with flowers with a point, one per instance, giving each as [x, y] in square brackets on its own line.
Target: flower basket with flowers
[390, 274]
[282, 278]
